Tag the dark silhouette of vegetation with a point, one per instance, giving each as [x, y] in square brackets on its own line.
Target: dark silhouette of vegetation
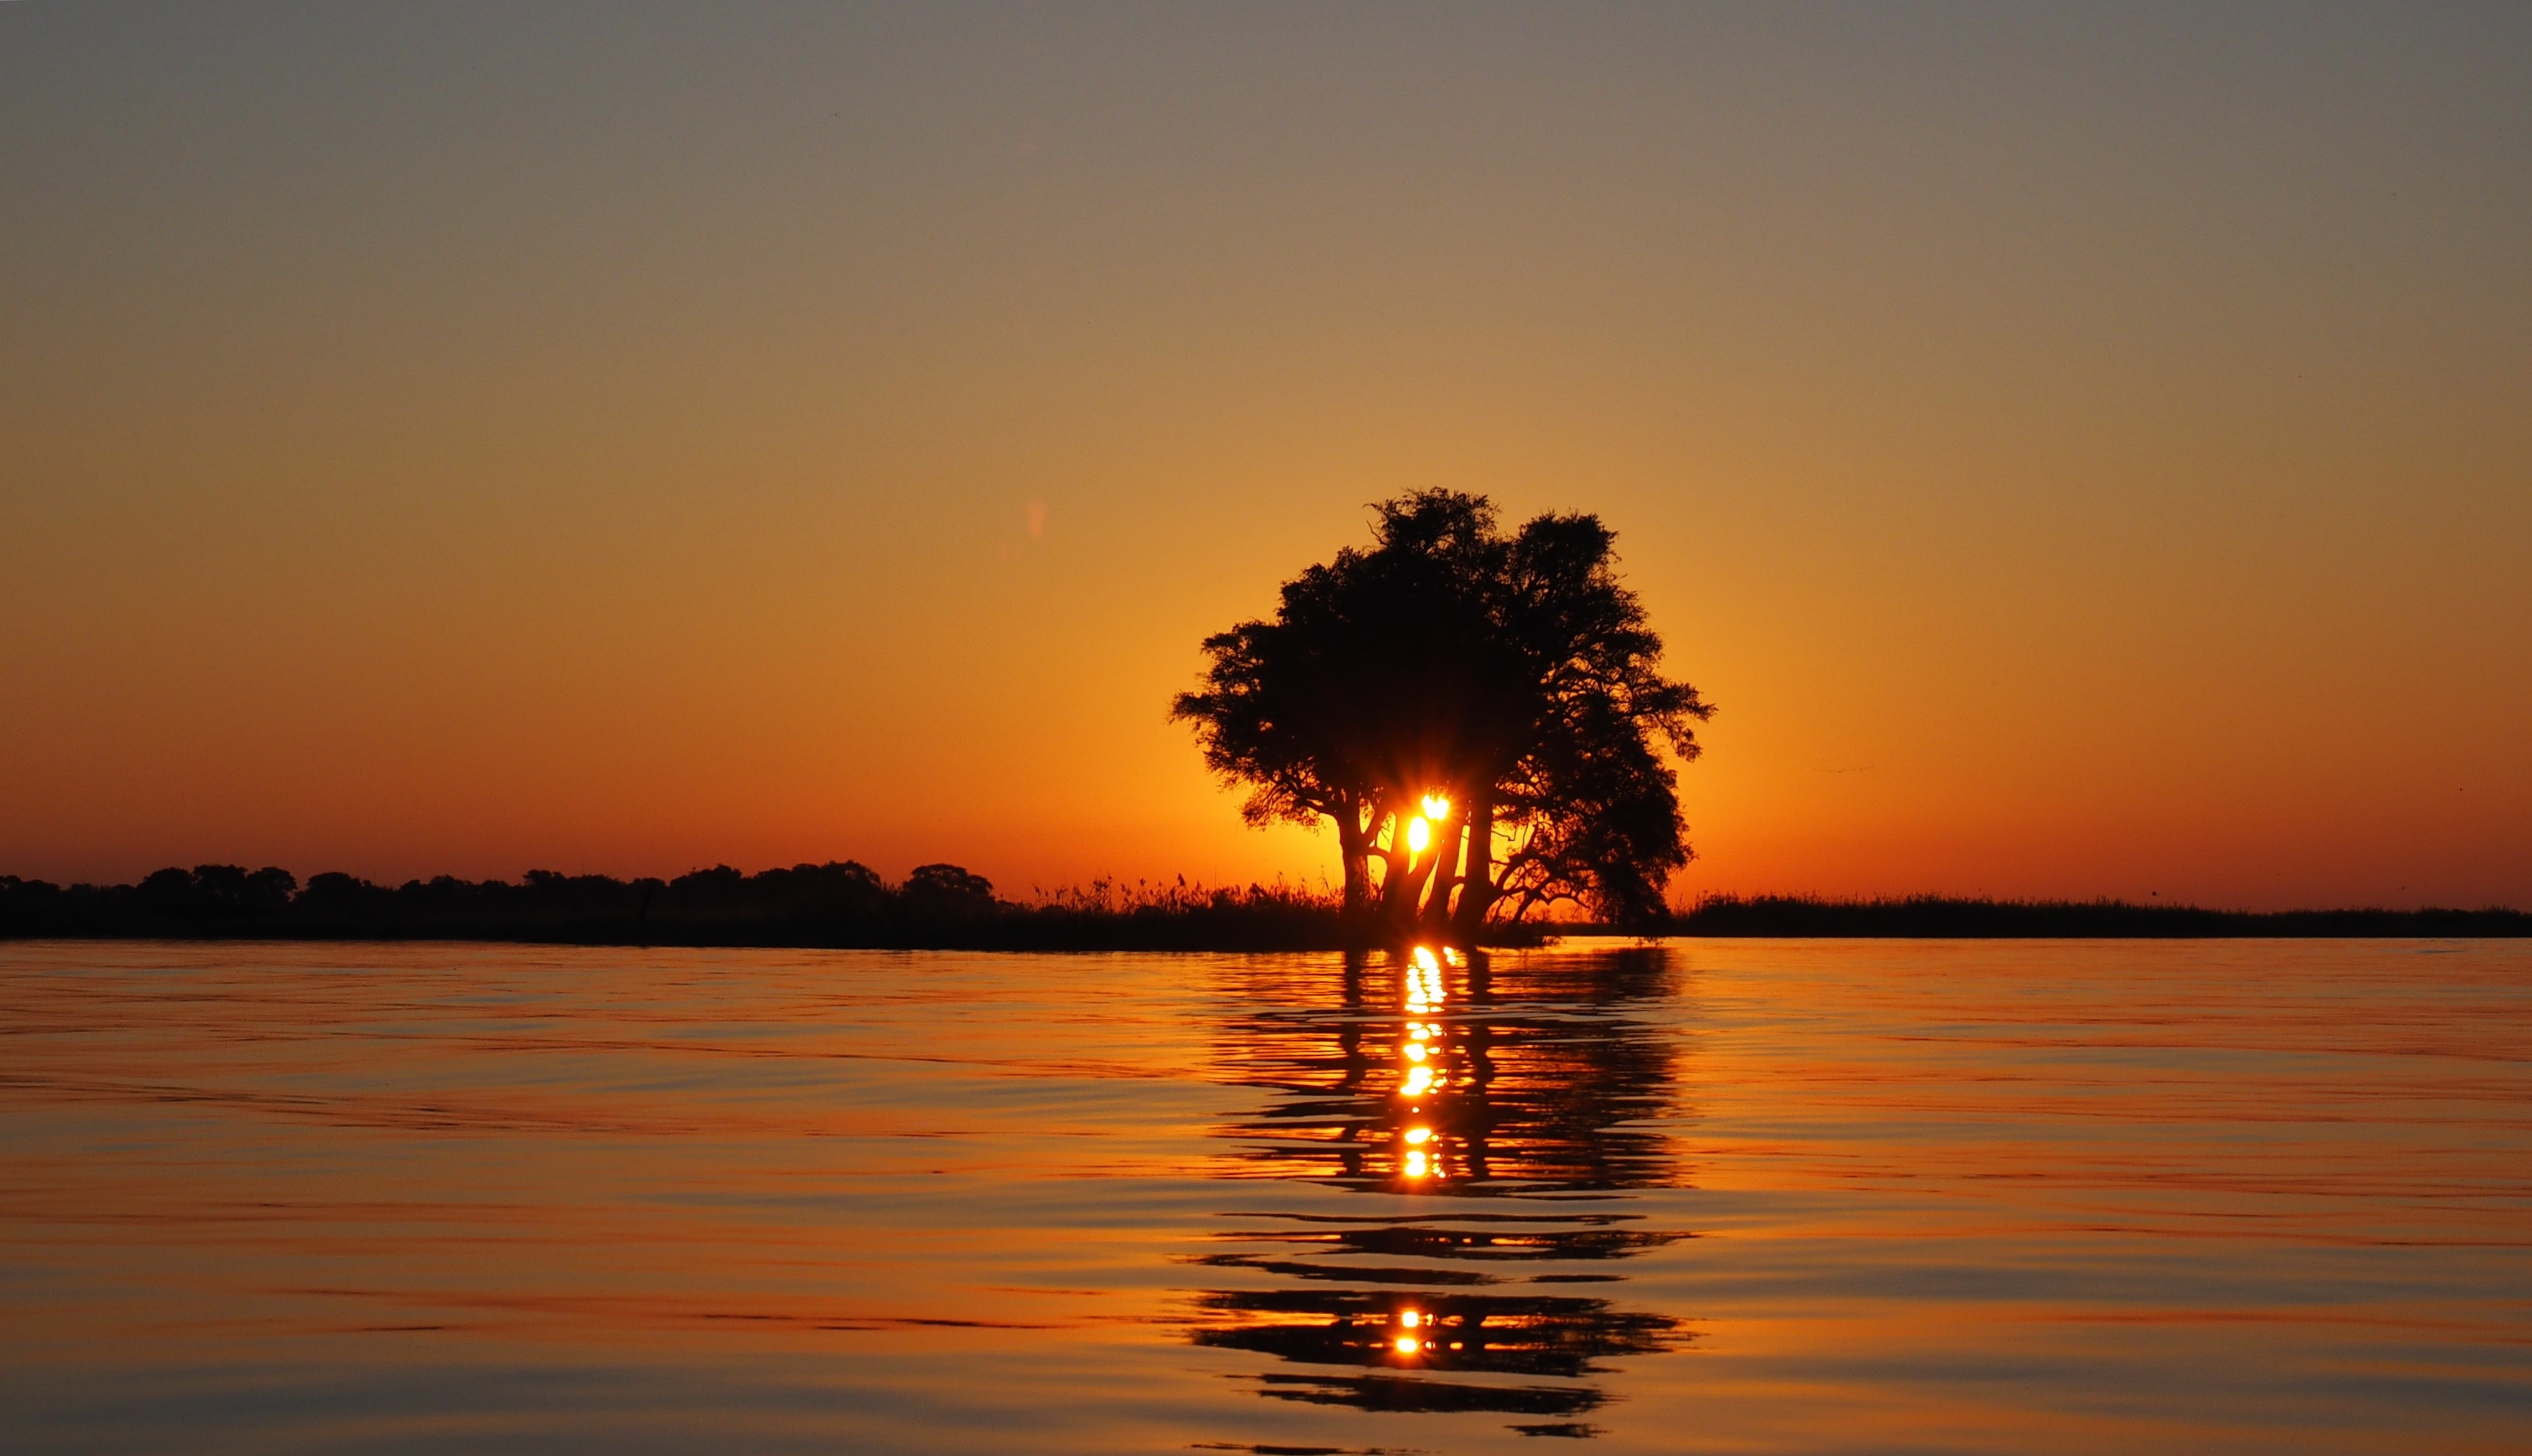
[941, 906]
[838, 904]
[1481, 716]
[1931, 916]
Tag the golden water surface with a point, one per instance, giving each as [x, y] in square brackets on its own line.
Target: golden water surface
[1724, 1196]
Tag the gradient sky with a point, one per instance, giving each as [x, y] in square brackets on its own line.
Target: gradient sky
[2083, 451]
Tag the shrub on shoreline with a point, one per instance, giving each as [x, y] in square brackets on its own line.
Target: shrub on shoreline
[843, 903]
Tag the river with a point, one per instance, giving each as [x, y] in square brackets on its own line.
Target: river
[1727, 1195]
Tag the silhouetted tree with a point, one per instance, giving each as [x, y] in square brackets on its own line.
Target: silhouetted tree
[336, 897]
[167, 893]
[1512, 675]
[945, 890]
[837, 890]
[719, 884]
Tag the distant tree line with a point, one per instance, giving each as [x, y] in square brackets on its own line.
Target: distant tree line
[842, 904]
[1940, 917]
[835, 904]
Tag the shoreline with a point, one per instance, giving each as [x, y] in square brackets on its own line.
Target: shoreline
[1054, 929]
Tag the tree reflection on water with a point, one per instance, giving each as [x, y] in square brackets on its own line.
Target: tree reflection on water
[1515, 1094]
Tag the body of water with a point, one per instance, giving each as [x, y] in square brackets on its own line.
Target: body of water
[1727, 1195]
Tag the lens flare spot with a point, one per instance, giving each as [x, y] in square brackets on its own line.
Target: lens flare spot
[1416, 1166]
[1408, 1344]
[1410, 1318]
[1419, 1134]
[1419, 835]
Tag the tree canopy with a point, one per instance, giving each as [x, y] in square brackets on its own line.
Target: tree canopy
[1481, 715]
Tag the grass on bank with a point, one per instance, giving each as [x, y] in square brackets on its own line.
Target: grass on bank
[944, 906]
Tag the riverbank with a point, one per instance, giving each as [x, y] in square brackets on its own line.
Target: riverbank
[845, 906]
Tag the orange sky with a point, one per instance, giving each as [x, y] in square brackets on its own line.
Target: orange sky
[2081, 453]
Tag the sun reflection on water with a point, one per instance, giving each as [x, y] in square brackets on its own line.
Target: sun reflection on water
[1465, 1104]
[1424, 1052]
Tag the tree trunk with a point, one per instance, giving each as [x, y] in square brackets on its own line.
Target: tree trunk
[1407, 911]
[1406, 907]
[1393, 864]
[1446, 875]
[1353, 843]
[1478, 893]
